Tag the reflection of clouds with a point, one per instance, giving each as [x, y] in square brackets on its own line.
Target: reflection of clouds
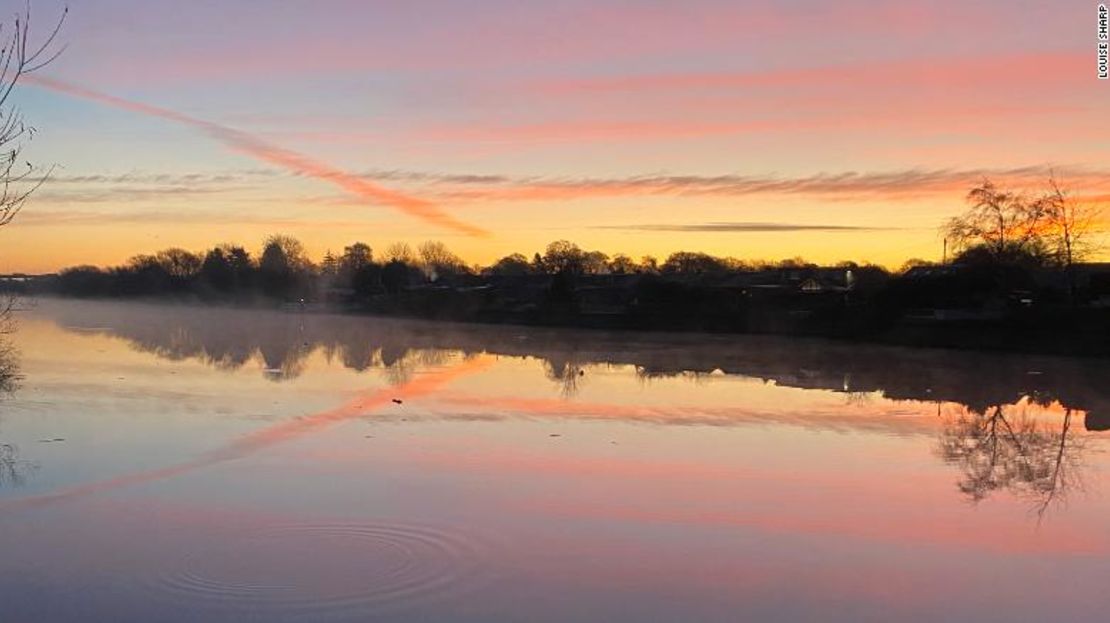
[1026, 449]
[909, 418]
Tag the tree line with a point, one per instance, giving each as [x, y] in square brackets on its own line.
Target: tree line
[283, 270]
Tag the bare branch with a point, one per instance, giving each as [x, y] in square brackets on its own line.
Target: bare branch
[17, 59]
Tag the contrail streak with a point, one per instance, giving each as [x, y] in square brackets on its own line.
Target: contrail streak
[284, 158]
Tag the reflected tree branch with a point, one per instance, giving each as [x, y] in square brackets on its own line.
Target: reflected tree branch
[1015, 453]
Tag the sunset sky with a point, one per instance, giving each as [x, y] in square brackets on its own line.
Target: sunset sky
[761, 130]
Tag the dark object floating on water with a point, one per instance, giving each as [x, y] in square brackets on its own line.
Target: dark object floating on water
[554, 435]
[397, 401]
[1097, 421]
[54, 440]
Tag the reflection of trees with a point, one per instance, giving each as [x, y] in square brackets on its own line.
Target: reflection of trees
[13, 470]
[1007, 449]
[646, 374]
[9, 367]
[230, 338]
[567, 373]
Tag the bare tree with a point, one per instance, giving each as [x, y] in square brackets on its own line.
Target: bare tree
[1068, 223]
[1000, 221]
[18, 178]
[18, 58]
[399, 252]
[437, 260]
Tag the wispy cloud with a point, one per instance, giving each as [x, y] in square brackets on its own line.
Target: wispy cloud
[743, 227]
[902, 184]
[179, 179]
[124, 194]
[289, 160]
[917, 73]
[455, 187]
[50, 218]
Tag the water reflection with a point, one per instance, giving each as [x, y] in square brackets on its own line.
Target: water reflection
[296, 468]
[268, 436]
[282, 344]
[1005, 448]
[13, 470]
[9, 367]
[1007, 422]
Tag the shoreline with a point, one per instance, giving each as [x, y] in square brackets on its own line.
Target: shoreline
[1003, 337]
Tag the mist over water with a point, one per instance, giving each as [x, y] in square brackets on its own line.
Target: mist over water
[228, 465]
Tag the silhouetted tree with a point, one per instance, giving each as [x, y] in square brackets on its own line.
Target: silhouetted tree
[438, 261]
[562, 256]
[283, 268]
[355, 258]
[216, 272]
[793, 263]
[329, 265]
[396, 275]
[142, 275]
[1003, 224]
[912, 263]
[399, 252]
[689, 262]
[180, 266]
[368, 279]
[510, 265]
[84, 281]
[621, 264]
[227, 269]
[595, 263]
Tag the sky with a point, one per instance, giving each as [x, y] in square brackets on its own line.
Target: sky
[759, 130]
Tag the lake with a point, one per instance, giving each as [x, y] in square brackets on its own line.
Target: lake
[175, 463]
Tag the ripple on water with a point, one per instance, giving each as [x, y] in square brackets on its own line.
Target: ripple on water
[330, 568]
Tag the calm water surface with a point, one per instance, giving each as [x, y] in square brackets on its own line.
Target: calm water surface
[183, 464]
